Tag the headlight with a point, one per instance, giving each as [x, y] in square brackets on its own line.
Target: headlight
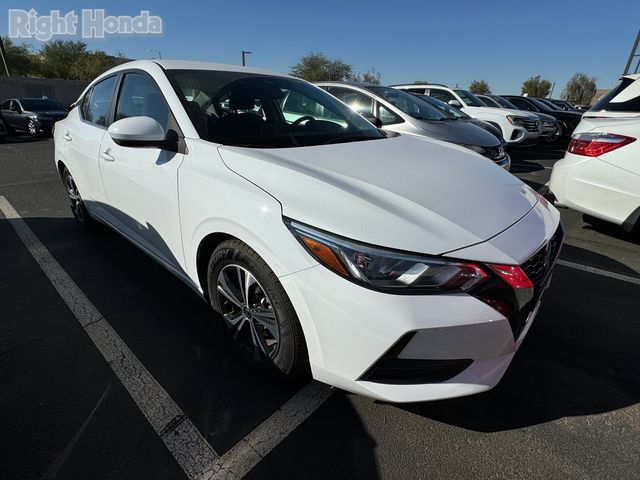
[475, 148]
[385, 269]
[514, 120]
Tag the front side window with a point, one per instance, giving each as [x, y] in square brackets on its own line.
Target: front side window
[505, 103]
[140, 96]
[408, 103]
[265, 111]
[358, 102]
[100, 102]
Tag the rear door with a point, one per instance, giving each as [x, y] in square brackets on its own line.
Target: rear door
[80, 136]
[141, 183]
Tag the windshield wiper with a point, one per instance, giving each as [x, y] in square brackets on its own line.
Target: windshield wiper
[349, 138]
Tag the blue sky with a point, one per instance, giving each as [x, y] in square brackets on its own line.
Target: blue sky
[503, 42]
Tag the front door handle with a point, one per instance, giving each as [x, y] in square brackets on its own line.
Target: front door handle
[107, 156]
[66, 136]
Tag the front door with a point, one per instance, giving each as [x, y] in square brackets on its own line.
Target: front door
[141, 184]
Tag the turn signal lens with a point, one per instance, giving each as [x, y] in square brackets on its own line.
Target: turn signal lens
[596, 144]
[324, 254]
[513, 275]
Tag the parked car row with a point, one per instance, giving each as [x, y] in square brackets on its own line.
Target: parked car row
[36, 116]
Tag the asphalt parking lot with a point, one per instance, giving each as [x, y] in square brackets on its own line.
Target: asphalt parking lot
[568, 407]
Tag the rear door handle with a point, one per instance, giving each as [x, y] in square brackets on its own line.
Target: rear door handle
[66, 136]
[107, 156]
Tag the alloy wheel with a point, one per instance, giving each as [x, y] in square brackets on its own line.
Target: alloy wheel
[75, 200]
[248, 312]
[31, 126]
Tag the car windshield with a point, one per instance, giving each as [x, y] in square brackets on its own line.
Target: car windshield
[265, 111]
[445, 107]
[504, 103]
[409, 104]
[40, 105]
[469, 98]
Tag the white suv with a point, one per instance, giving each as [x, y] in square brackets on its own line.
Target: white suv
[517, 127]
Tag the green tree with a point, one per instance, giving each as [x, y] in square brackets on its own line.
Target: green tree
[370, 76]
[580, 89]
[316, 67]
[58, 56]
[479, 86]
[536, 86]
[20, 59]
[92, 64]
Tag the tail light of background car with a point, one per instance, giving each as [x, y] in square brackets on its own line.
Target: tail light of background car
[596, 144]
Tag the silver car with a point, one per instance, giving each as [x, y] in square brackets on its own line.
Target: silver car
[401, 112]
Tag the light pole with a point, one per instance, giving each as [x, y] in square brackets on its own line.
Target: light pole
[244, 53]
[151, 50]
[3, 55]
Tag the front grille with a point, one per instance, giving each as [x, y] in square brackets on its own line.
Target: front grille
[529, 125]
[539, 265]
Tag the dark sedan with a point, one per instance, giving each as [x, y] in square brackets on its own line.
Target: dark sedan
[567, 121]
[33, 115]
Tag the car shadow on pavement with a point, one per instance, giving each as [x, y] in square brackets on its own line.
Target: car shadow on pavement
[22, 139]
[182, 342]
[611, 230]
[580, 358]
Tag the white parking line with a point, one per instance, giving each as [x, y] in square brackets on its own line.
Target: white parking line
[598, 271]
[192, 452]
[247, 453]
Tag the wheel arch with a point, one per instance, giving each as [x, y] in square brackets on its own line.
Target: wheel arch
[206, 247]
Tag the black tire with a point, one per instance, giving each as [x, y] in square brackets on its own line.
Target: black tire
[287, 358]
[32, 127]
[78, 208]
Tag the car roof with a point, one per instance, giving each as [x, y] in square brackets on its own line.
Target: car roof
[632, 76]
[168, 64]
[347, 82]
[420, 85]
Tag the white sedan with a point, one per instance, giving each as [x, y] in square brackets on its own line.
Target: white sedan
[401, 268]
[600, 172]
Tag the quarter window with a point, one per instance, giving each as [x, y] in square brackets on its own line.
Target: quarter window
[386, 116]
[99, 107]
[140, 96]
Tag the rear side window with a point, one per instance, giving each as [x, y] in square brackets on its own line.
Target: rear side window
[359, 102]
[625, 97]
[99, 107]
[441, 95]
[140, 96]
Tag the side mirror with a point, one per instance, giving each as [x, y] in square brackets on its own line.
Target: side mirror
[373, 119]
[455, 103]
[138, 132]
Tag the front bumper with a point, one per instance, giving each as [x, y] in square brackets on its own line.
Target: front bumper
[595, 187]
[349, 330]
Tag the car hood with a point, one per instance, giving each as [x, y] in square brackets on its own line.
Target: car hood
[460, 132]
[545, 117]
[406, 192]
